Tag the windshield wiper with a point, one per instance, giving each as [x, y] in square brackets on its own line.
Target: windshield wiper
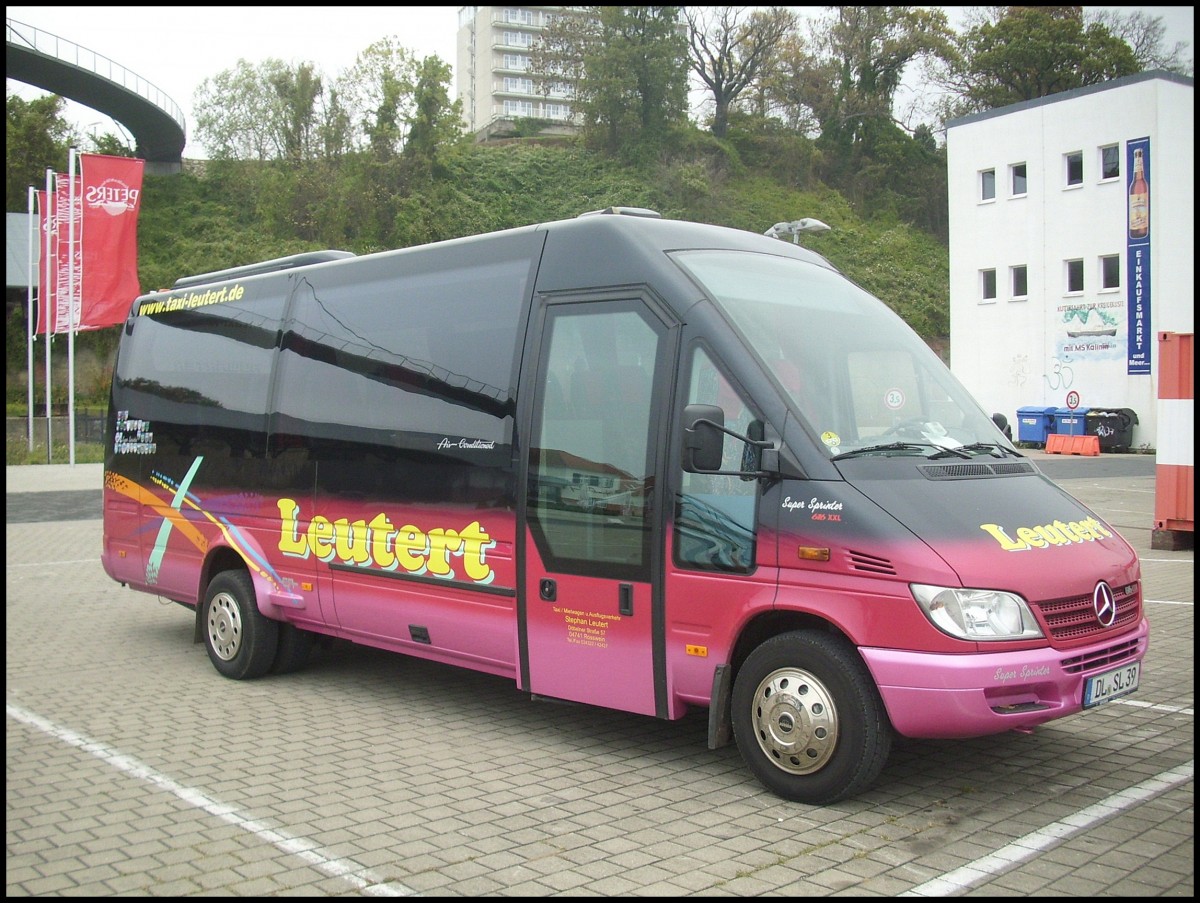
[900, 446]
[995, 449]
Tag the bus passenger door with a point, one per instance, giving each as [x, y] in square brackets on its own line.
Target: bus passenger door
[591, 608]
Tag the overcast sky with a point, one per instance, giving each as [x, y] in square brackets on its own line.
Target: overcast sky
[175, 48]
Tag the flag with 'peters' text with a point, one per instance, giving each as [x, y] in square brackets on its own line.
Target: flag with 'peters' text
[111, 194]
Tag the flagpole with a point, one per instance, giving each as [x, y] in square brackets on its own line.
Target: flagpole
[34, 233]
[51, 304]
[76, 298]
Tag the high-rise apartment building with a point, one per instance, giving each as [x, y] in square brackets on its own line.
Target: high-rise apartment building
[493, 73]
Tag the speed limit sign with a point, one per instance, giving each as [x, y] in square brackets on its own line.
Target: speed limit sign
[1072, 400]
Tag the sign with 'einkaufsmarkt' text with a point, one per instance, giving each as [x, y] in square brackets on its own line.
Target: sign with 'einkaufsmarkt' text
[1137, 256]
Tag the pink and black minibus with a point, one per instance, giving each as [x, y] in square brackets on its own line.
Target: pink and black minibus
[624, 461]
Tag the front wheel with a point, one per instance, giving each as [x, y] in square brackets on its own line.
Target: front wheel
[240, 640]
[808, 720]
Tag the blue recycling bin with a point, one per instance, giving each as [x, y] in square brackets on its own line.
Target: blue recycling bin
[1034, 424]
[1070, 423]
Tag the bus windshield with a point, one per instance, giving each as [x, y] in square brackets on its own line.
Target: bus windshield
[855, 372]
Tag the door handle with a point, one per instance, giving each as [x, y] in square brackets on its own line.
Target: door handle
[547, 589]
[625, 599]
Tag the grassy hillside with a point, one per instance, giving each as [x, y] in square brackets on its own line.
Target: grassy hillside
[221, 215]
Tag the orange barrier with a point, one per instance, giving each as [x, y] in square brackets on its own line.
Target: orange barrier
[1058, 444]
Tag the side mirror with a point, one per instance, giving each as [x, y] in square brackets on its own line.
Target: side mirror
[752, 453]
[703, 437]
[1001, 421]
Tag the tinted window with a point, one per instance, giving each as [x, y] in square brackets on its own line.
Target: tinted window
[988, 284]
[592, 455]
[1018, 179]
[987, 184]
[1020, 282]
[408, 359]
[1110, 271]
[199, 378]
[1074, 275]
[715, 514]
[1110, 162]
[1075, 168]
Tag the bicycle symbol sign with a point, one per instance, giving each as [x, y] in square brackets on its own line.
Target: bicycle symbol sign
[1072, 400]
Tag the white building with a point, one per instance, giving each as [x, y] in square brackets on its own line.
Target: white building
[1057, 296]
[493, 75]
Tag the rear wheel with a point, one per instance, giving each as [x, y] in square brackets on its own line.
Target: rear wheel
[240, 640]
[808, 720]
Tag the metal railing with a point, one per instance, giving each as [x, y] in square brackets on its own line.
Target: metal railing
[69, 52]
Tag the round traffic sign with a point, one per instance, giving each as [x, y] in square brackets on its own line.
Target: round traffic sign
[1072, 400]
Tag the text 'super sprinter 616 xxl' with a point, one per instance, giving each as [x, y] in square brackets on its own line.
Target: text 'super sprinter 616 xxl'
[624, 461]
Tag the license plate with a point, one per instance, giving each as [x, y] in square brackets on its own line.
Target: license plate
[1111, 684]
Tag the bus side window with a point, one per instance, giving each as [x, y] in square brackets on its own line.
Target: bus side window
[715, 515]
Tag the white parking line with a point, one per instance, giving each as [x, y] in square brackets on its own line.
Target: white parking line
[360, 876]
[1027, 847]
[1157, 707]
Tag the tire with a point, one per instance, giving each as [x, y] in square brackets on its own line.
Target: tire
[292, 650]
[808, 719]
[240, 640]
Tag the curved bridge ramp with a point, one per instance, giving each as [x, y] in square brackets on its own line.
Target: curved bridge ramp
[62, 67]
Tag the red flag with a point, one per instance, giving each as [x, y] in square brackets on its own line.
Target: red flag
[65, 292]
[112, 193]
[45, 295]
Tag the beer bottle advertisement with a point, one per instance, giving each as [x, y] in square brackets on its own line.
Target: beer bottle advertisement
[1139, 198]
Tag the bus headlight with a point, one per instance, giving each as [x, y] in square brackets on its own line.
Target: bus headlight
[976, 614]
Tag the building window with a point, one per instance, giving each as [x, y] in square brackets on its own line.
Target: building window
[518, 108]
[1074, 168]
[1018, 179]
[1074, 276]
[1110, 162]
[1020, 282]
[987, 185]
[987, 283]
[1110, 271]
[516, 61]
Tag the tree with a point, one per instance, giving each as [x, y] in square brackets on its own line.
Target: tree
[110, 144]
[846, 75]
[860, 54]
[296, 92]
[1027, 52]
[36, 138]
[260, 111]
[728, 55]
[630, 66]
[336, 129]
[787, 89]
[435, 121]
[377, 96]
[1144, 34]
